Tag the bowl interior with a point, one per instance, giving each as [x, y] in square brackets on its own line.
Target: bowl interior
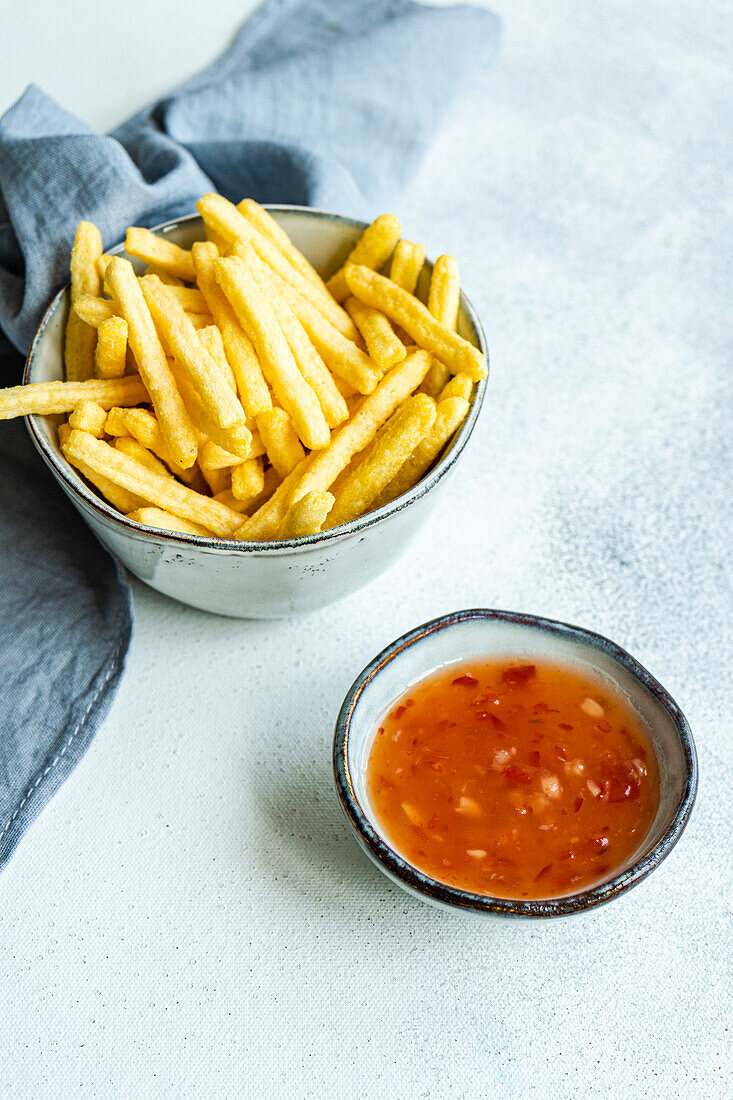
[476, 634]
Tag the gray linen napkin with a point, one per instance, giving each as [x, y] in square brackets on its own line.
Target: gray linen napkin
[319, 102]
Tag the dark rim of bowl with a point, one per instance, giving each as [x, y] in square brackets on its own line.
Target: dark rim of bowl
[89, 498]
[463, 899]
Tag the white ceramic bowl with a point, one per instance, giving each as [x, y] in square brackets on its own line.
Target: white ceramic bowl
[484, 633]
[252, 579]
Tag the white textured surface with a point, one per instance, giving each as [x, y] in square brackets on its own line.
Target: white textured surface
[190, 917]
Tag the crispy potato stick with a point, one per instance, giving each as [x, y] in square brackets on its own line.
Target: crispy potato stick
[268, 227]
[272, 480]
[407, 263]
[251, 385]
[384, 348]
[200, 320]
[192, 358]
[79, 339]
[248, 480]
[254, 312]
[101, 265]
[158, 517]
[189, 298]
[341, 356]
[226, 219]
[163, 492]
[110, 354]
[115, 422]
[142, 426]
[217, 480]
[227, 497]
[164, 276]
[214, 457]
[130, 447]
[93, 310]
[118, 497]
[264, 523]
[373, 249]
[451, 413]
[161, 252]
[307, 359]
[175, 423]
[89, 416]
[444, 299]
[392, 446]
[237, 440]
[210, 337]
[306, 516]
[221, 244]
[63, 397]
[280, 438]
[345, 389]
[404, 309]
[366, 421]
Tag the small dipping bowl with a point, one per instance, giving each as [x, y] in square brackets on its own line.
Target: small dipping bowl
[483, 633]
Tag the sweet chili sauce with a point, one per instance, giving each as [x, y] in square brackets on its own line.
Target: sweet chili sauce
[513, 779]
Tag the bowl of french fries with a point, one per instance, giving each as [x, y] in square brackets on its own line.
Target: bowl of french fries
[253, 408]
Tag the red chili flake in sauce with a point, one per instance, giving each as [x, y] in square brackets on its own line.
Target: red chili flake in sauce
[503, 803]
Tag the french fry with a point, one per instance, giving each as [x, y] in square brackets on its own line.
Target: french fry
[251, 385]
[210, 337]
[158, 517]
[162, 492]
[248, 480]
[227, 497]
[272, 481]
[359, 431]
[143, 426]
[391, 447]
[94, 310]
[189, 298]
[161, 252]
[383, 346]
[115, 425]
[405, 310]
[164, 276]
[175, 423]
[204, 423]
[407, 263]
[373, 249]
[460, 385]
[80, 338]
[276, 359]
[263, 221]
[110, 354]
[218, 481]
[280, 438]
[264, 523]
[214, 457]
[90, 417]
[444, 299]
[118, 497]
[226, 220]
[451, 412]
[130, 447]
[62, 397]
[101, 265]
[306, 516]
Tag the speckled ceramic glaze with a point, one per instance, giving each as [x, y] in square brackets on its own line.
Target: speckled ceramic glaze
[484, 633]
[252, 579]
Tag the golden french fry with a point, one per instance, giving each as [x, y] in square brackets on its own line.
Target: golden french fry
[163, 492]
[200, 320]
[90, 417]
[130, 447]
[158, 517]
[210, 337]
[375, 469]
[110, 354]
[257, 317]
[221, 244]
[268, 227]
[175, 423]
[444, 299]
[272, 481]
[460, 385]
[189, 298]
[306, 516]
[161, 252]
[94, 310]
[80, 338]
[218, 481]
[115, 423]
[164, 276]
[248, 480]
[62, 397]
[251, 385]
[143, 426]
[214, 457]
[307, 359]
[118, 497]
[356, 433]
[280, 438]
[264, 523]
[383, 346]
[101, 266]
[451, 412]
[404, 309]
[227, 497]
[237, 440]
[407, 263]
[226, 219]
[191, 357]
[373, 249]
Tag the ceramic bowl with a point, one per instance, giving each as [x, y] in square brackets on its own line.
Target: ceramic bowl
[456, 638]
[252, 579]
